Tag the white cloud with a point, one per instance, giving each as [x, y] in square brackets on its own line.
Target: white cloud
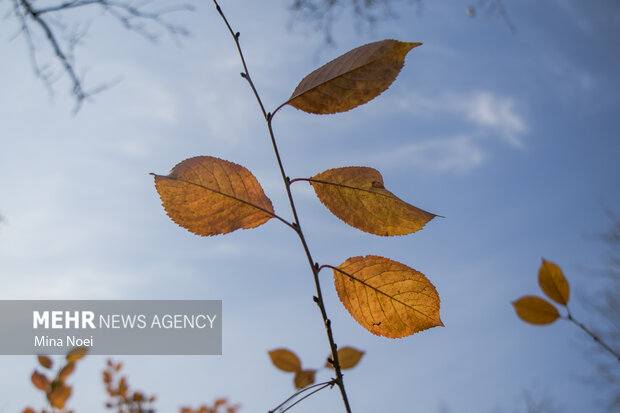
[492, 115]
[486, 115]
[458, 154]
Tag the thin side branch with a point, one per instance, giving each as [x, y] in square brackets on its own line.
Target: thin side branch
[323, 385]
[61, 42]
[594, 337]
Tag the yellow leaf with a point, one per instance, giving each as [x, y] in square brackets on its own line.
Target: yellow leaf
[553, 283]
[304, 378]
[40, 381]
[59, 394]
[356, 195]
[210, 196]
[536, 310]
[76, 354]
[348, 358]
[352, 79]
[285, 360]
[386, 297]
[45, 361]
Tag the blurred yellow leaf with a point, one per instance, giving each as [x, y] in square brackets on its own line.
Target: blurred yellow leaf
[386, 297]
[348, 358]
[76, 354]
[40, 381]
[45, 361]
[304, 378]
[210, 196]
[552, 282]
[536, 310]
[59, 394]
[356, 195]
[286, 360]
[352, 79]
[66, 371]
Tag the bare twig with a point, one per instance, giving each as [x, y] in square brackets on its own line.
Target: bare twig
[321, 15]
[133, 16]
[287, 183]
[323, 385]
[594, 336]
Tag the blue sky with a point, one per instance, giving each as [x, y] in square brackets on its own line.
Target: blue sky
[513, 137]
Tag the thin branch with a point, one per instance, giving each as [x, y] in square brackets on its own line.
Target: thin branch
[305, 397]
[305, 389]
[314, 267]
[594, 337]
[132, 17]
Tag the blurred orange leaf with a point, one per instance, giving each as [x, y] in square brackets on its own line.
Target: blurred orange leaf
[386, 297]
[348, 358]
[210, 196]
[45, 361]
[28, 410]
[536, 310]
[76, 354]
[553, 283]
[40, 381]
[66, 371]
[59, 394]
[286, 360]
[304, 378]
[352, 79]
[357, 196]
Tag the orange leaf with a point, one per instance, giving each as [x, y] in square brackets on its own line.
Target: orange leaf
[348, 358]
[210, 196]
[552, 282]
[40, 381]
[76, 354]
[304, 378]
[356, 195]
[536, 310]
[352, 79]
[66, 371]
[45, 361]
[59, 394]
[28, 410]
[386, 297]
[285, 360]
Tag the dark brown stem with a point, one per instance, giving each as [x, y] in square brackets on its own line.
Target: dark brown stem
[287, 183]
[596, 338]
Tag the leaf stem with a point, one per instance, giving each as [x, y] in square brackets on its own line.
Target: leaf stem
[287, 183]
[595, 337]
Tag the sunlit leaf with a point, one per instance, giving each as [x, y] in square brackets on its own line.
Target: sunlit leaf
[536, 310]
[40, 381]
[386, 297]
[552, 282]
[304, 378]
[285, 360]
[59, 394]
[45, 361]
[76, 354]
[210, 196]
[356, 195]
[348, 358]
[352, 79]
